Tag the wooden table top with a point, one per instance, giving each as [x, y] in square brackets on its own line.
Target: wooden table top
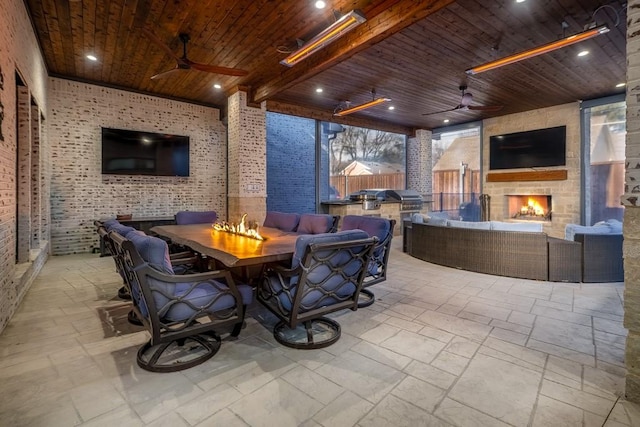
[231, 249]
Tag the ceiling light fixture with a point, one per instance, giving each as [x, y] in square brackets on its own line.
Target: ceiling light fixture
[217, 86]
[349, 110]
[391, 107]
[320, 4]
[583, 53]
[319, 90]
[621, 85]
[92, 57]
[336, 30]
[567, 41]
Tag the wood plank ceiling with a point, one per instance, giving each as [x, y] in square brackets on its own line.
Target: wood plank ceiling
[414, 52]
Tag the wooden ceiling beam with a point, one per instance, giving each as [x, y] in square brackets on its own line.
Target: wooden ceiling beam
[397, 16]
[327, 116]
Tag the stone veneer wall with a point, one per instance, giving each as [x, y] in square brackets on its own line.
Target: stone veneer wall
[566, 194]
[631, 200]
[419, 159]
[247, 153]
[80, 193]
[19, 52]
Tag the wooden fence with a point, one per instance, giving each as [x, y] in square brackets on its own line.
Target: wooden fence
[349, 184]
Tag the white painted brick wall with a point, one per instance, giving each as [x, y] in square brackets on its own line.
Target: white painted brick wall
[419, 169]
[80, 193]
[19, 52]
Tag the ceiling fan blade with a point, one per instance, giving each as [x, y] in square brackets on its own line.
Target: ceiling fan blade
[486, 107]
[161, 45]
[167, 73]
[457, 107]
[215, 69]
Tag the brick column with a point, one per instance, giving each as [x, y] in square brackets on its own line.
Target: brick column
[247, 159]
[24, 175]
[419, 168]
[36, 182]
[631, 200]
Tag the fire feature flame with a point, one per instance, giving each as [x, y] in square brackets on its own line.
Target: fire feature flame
[244, 228]
[532, 208]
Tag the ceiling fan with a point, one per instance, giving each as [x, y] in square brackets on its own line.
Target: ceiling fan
[184, 63]
[465, 104]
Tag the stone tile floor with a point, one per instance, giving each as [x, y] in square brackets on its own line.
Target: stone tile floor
[440, 347]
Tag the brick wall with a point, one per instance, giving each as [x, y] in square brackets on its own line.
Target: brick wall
[631, 200]
[247, 153]
[19, 53]
[419, 168]
[291, 172]
[565, 194]
[80, 193]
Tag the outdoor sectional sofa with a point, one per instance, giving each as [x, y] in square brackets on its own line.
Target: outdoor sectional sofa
[522, 254]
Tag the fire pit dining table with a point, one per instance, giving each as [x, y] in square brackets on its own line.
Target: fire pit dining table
[232, 250]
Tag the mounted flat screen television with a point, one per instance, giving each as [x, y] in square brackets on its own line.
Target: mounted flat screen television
[531, 149]
[129, 152]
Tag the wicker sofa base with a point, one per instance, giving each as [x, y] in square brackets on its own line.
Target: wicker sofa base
[518, 254]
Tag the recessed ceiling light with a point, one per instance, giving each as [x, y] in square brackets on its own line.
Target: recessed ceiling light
[519, 1]
[217, 86]
[391, 107]
[446, 120]
[92, 57]
[621, 85]
[583, 53]
[319, 90]
[320, 4]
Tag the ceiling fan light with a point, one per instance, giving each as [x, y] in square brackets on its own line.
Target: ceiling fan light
[530, 53]
[333, 32]
[361, 107]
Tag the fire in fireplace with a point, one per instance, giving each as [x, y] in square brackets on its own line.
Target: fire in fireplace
[529, 207]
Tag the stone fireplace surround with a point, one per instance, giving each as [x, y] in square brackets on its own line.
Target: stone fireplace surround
[565, 192]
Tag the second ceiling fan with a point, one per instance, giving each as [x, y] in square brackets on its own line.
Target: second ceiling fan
[465, 104]
[184, 63]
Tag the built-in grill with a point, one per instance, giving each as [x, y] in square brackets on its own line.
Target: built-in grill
[410, 200]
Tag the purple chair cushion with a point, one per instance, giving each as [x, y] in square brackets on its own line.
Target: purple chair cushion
[374, 226]
[122, 230]
[321, 275]
[282, 221]
[108, 224]
[195, 217]
[315, 224]
[153, 250]
[212, 294]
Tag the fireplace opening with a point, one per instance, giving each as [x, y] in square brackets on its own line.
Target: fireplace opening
[529, 207]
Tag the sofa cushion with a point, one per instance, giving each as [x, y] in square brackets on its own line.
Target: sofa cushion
[432, 218]
[315, 224]
[282, 221]
[610, 226]
[481, 225]
[532, 227]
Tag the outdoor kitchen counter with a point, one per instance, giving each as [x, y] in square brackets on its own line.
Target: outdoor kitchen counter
[388, 209]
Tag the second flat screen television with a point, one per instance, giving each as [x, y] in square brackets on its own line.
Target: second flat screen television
[536, 148]
[128, 152]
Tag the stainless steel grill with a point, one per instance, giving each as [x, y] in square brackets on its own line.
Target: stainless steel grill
[410, 200]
